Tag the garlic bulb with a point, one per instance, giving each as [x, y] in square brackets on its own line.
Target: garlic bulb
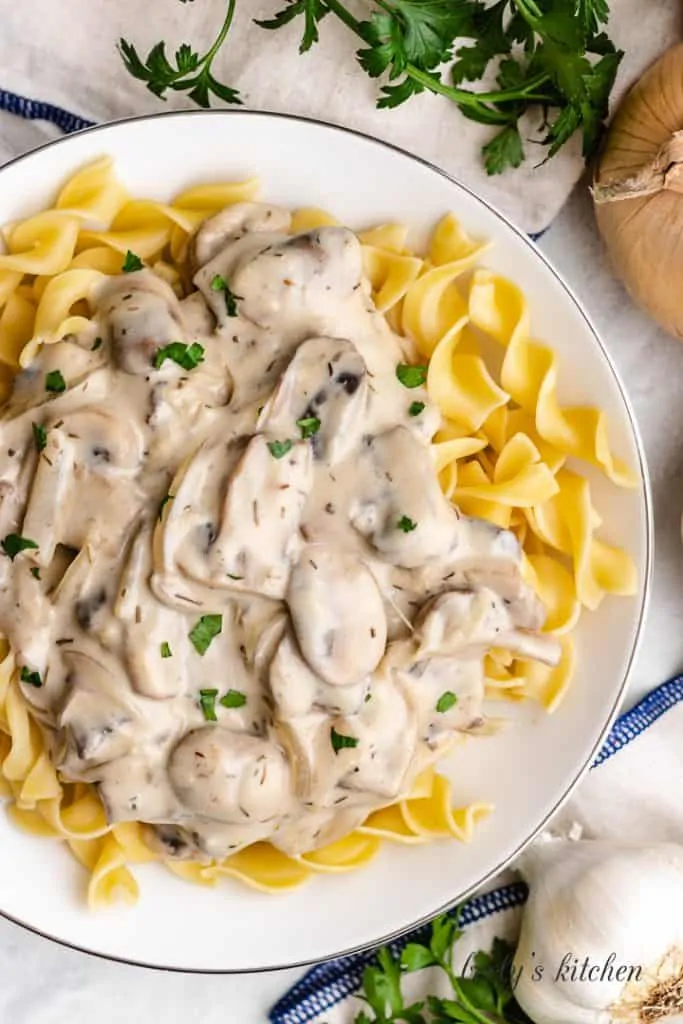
[602, 933]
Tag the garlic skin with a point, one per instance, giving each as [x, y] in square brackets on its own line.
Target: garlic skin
[590, 899]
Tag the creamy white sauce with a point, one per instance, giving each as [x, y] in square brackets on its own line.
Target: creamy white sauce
[350, 595]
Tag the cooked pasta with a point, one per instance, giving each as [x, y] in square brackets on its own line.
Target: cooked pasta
[500, 452]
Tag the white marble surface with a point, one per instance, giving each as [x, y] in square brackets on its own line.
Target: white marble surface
[41, 983]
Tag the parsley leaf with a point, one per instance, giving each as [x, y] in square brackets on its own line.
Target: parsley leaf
[553, 42]
[165, 650]
[406, 524]
[219, 284]
[192, 72]
[278, 449]
[204, 631]
[131, 263]
[207, 702]
[416, 408]
[96, 344]
[233, 699]
[35, 572]
[187, 356]
[504, 150]
[163, 503]
[446, 701]
[54, 381]
[483, 994]
[339, 741]
[39, 436]
[313, 11]
[411, 376]
[13, 544]
[309, 425]
[32, 678]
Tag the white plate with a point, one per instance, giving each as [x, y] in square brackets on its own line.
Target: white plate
[526, 772]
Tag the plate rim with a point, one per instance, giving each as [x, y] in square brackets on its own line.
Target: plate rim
[645, 483]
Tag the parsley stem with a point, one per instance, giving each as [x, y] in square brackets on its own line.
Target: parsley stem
[220, 38]
[466, 97]
[353, 23]
[481, 1018]
[529, 11]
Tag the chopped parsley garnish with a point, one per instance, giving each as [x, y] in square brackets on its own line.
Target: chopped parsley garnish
[278, 449]
[233, 699]
[55, 382]
[35, 572]
[411, 376]
[32, 678]
[416, 408]
[339, 741]
[446, 701]
[14, 543]
[164, 501]
[187, 356]
[39, 436]
[309, 425]
[131, 263]
[166, 650]
[406, 524]
[232, 576]
[219, 284]
[368, 697]
[204, 631]
[96, 344]
[207, 702]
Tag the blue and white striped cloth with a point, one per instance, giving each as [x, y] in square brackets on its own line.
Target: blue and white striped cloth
[633, 791]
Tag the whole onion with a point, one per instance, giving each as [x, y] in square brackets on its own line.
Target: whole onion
[638, 191]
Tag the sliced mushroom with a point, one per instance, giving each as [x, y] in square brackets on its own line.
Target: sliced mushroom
[231, 777]
[319, 827]
[296, 690]
[144, 315]
[136, 787]
[257, 540]
[386, 734]
[298, 281]
[323, 394]
[470, 622]
[78, 473]
[100, 724]
[430, 686]
[232, 223]
[202, 840]
[76, 366]
[155, 639]
[401, 508]
[338, 615]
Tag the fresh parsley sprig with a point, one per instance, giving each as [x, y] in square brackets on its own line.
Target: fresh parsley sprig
[191, 72]
[484, 995]
[551, 55]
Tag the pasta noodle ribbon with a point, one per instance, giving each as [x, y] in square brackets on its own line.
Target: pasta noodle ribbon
[16, 329]
[44, 244]
[450, 243]
[94, 193]
[310, 217]
[390, 275]
[529, 374]
[53, 316]
[392, 237]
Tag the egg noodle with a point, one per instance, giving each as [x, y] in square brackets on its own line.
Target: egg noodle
[501, 454]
